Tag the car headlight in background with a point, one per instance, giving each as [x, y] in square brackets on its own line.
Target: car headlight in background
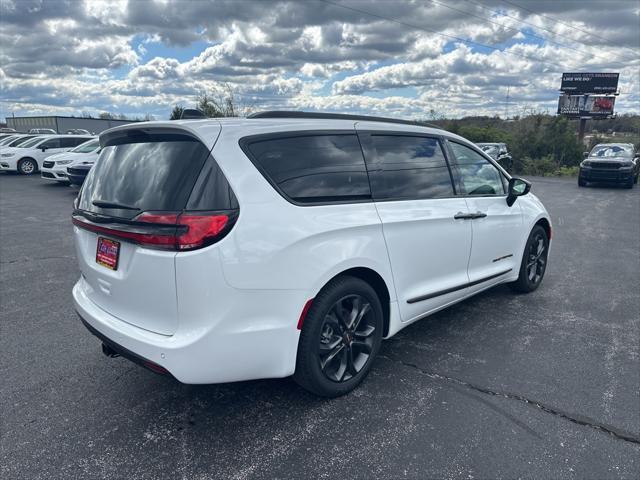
[585, 163]
[6, 155]
[63, 162]
[626, 165]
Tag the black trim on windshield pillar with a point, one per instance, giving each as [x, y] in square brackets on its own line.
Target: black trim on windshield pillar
[455, 289]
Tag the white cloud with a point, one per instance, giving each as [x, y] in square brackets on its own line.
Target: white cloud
[72, 56]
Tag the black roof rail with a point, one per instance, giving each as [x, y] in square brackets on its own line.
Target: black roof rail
[336, 116]
[192, 113]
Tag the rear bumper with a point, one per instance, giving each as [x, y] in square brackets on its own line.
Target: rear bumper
[250, 341]
[606, 175]
[123, 352]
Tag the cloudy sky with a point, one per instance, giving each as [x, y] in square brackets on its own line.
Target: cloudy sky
[386, 57]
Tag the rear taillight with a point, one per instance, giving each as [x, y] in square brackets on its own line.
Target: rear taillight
[167, 231]
[192, 231]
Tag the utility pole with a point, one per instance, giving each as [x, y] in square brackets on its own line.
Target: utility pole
[581, 128]
[506, 107]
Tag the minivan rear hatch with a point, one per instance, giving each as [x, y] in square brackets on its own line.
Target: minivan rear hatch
[127, 222]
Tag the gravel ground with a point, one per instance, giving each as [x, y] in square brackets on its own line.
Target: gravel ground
[545, 385]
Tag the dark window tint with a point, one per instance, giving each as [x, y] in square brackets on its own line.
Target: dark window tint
[211, 190]
[53, 143]
[407, 167]
[157, 172]
[478, 176]
[69, 142]
[314, 168]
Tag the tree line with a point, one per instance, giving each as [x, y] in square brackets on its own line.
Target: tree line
[544, 144]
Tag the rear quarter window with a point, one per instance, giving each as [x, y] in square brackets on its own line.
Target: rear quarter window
[311, 169]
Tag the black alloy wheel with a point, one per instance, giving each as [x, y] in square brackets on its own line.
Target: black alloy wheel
[534, 261]
[346, 338]
[537, 257]
[340, 337]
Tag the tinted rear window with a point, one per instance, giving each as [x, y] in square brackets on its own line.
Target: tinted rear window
[67, 142]
[406, 167]
[156, 172]
[314, 168]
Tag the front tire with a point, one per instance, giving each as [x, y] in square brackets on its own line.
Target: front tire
[340, 338]
[534, 261]
[27, 166]
[581, 182]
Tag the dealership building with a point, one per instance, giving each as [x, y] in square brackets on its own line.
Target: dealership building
[63, 124]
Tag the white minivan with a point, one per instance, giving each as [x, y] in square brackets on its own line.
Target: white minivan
[290, 243]
[27, 157]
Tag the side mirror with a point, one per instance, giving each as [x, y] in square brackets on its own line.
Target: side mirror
[585, 154]
[43, 149]
[517, 188]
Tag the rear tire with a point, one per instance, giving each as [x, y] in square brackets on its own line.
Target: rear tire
[27, 166]
[340, 338]
[534, 261]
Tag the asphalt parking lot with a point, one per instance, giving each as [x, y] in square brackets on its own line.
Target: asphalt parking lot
[545, 385]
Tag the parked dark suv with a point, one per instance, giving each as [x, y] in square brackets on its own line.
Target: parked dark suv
[610, 162]
[499, 152]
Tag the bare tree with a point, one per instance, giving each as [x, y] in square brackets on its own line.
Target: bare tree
[221, 104]
[176, 113]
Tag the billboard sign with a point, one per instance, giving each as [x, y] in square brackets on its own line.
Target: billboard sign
[586, 105]
[579, 83]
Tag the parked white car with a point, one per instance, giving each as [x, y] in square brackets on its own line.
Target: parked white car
[15, 140]
[27, 158]
[55, 167]
[44, 131]
[290, 243]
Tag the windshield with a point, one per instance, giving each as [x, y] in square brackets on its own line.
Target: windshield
[87, 147]
[19, 141]
[490, 149]
[31, 142]
[611, 151]
[6, 140]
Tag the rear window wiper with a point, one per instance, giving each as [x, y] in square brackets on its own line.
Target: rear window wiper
[105, 204]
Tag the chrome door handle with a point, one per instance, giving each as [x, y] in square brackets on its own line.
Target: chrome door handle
[478, 215]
